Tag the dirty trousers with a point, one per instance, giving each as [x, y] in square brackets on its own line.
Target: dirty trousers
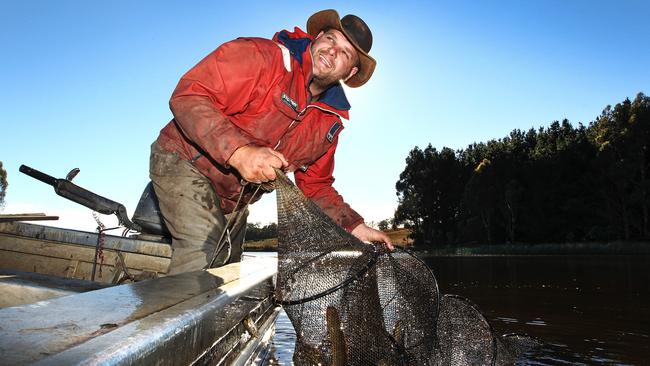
[191, 210]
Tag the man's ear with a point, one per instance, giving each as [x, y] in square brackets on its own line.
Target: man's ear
[352, 73]
[319, 35]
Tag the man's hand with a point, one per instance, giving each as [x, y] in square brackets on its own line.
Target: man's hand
[255, 163]
[367, 234]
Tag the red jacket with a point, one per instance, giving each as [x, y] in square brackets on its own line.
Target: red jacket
[256, 91]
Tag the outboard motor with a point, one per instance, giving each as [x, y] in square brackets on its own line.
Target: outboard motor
[147, 214]
[147, 219]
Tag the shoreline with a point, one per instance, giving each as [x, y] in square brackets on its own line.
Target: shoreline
[586, 248]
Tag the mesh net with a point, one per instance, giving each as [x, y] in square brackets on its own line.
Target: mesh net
[356, 304]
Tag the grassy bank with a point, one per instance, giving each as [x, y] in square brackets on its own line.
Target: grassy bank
[266, 245]
[399, 237]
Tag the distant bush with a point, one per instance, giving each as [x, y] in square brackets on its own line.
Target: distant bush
[257, 232]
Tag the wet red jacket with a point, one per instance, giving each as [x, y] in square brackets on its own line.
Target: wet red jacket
[255, 91]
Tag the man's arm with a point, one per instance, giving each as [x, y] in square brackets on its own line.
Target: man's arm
[316, 183]
[219, 86]
[207, 127]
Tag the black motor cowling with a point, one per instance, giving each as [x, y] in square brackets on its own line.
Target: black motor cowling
[147, 213]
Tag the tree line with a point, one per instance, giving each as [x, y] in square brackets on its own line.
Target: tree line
[255, 231]
[553, 184]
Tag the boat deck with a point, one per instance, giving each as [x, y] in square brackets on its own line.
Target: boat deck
[222, 316]
[70, 253]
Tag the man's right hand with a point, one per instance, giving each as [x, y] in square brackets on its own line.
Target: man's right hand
[255, 163]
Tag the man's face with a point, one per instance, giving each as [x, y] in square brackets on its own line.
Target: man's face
[334, 57]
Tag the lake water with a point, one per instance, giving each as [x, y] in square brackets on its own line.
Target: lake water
[589, 310]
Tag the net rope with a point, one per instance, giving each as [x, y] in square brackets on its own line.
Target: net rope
[353, 303]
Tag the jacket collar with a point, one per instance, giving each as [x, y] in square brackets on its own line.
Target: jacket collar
[298, 42]
[335, 97]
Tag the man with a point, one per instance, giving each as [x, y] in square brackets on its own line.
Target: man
[250, 106]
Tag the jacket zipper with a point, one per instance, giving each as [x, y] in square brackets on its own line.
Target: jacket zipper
[304, 167]
[300, 114]
[321, 108]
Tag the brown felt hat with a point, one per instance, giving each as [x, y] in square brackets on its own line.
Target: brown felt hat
[356, 31]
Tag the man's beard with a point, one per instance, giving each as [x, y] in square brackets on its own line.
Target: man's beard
[324, 82]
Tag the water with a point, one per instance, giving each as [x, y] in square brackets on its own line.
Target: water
[588, 310]
[283, 342]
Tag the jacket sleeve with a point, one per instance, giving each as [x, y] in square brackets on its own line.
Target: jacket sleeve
[316, 183]
[219, 86]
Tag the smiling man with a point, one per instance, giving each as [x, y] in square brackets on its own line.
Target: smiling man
[334, 59]
[251, 106]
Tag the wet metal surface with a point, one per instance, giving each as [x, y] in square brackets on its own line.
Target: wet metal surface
[126, 324]
[256, 354]
[19, 288]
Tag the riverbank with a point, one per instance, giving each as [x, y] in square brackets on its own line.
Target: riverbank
[609, 248]
[401, 239]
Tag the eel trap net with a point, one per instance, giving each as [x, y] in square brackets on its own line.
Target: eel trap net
[357, 304]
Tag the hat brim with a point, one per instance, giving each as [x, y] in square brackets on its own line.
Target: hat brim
[327, 19]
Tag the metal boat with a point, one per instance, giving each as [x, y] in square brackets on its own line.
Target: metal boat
[81, 298]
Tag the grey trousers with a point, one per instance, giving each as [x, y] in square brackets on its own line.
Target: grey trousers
[192, 213]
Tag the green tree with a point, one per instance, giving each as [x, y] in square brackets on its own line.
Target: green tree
[254, 231]
[512, 198]
[429, 195]
[3, 185]
[621, 135]
[410, 193]
[480, 196]
[552, 184]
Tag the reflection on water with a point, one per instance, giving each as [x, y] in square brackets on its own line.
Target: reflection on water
[283, 342]
[587, 309]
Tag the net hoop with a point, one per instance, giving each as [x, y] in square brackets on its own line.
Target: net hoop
[360, 273]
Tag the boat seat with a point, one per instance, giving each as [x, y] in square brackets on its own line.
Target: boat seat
[147, 213]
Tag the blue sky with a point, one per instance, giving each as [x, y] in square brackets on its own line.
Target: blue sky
[86, 83]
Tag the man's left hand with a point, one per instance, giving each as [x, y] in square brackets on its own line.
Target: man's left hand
[367, 234]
